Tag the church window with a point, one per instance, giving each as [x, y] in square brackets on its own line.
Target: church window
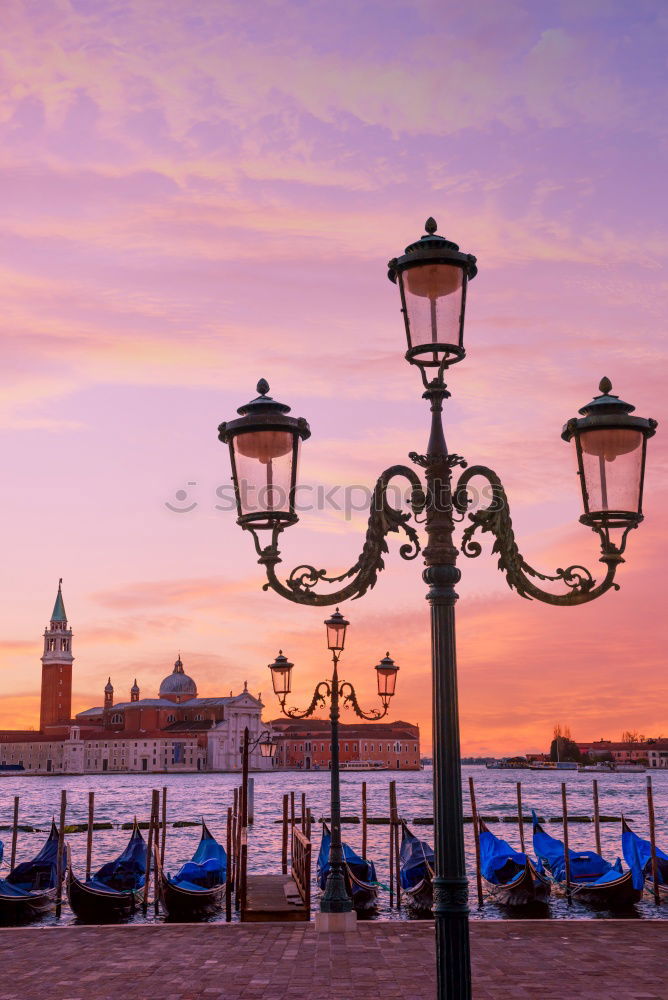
[117, 717]
[170, 718]
[65, 645]
[199, 717]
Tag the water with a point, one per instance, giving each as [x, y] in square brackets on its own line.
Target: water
[118, 798]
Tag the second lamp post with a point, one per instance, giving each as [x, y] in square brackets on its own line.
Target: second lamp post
[336, 898]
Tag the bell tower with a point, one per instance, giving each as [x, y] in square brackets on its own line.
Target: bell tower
[56, 702]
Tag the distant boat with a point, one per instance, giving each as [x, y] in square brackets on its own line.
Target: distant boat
[416, 871]
[360, 874]
[592, 878]
[363, 765]
[510, 876]
[29, 890]
[198, 888]
[639, 852]
[114, 891]
[613, 767]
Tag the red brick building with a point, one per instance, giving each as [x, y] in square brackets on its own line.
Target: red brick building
[305, 744]
[647, 751]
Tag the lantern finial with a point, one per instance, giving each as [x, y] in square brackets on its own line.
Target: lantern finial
[431, 225]
[605, 385]
[262, 387]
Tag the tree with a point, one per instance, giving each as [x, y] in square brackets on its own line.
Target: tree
[562, 746]
[631, 736]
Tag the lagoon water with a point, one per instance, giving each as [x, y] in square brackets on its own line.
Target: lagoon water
[118, 798]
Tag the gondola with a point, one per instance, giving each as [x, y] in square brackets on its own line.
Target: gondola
[510, 877]
[592, 879]
[360, 874]
[639, 852]
[198, 888]
[115, 889]
[416, 871]
[29, 890]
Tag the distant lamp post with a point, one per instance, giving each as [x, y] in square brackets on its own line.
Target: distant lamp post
[335, 898]
[433, 276]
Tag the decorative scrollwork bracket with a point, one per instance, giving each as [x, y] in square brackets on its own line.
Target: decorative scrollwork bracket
[384, 518]
[582, 587]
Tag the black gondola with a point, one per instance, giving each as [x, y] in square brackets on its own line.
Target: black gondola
[510, 877]
[198, 888]
[29, 890]
[592, 879]
[115, 889]
[360, 874]
[416, 871]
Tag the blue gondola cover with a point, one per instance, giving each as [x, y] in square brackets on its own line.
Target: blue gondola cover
[586, 866]
[37, 875]
[127, 871]
[638, 852]
[361, 868]
[415, 859]
[207, 867]
[499, 862]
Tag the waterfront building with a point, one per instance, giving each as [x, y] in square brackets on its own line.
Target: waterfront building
[305, 745]
[177, 731]
[651, 751]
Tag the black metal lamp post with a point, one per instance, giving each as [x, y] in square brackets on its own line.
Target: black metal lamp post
[433, 276]
[335, 898]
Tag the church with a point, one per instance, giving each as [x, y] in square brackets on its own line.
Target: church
[177, 731]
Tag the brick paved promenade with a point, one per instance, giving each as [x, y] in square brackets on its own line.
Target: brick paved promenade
[546, 960]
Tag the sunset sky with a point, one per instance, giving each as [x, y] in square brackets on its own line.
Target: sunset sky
[197, 195]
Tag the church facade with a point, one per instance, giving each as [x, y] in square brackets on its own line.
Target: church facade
[176, 731]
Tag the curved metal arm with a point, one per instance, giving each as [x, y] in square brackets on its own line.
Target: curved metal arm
[351, 699]
[582, 587]
[318, 698]
[383, 519]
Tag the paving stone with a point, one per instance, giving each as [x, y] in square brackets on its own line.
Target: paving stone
[609, 960]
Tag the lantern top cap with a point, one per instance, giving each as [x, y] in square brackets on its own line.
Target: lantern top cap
[387, 661]
[429, 249]
[281, 660]
[606, 402]
[337, 620]
[263, 403]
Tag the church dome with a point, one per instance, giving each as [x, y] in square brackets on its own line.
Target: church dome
[178, 685]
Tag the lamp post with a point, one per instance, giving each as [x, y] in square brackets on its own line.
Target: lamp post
[267, 750]
[433, 276]
[335, 899]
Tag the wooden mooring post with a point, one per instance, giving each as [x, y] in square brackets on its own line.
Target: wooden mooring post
[61, 847]
[652, 839]
[230, 863]
[15, 833]
[476, 840]
[391, 854]
[303, 816]
[597, 818]
[284, 845]
[149, 848]
[164, 825]
[567, 857]
[520, 816]
[89, 832]
[364, 818]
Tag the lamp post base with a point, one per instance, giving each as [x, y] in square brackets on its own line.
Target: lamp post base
[335, 923]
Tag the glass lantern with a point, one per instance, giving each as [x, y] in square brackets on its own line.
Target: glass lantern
[264, 450]
[281, 675]
[336, 627]
[432, 276]
[610, 448]
[386, 674]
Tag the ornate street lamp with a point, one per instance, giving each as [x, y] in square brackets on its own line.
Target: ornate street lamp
[335, 898]
[432, 276]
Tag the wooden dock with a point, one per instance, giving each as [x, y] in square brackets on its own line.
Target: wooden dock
[272, 898]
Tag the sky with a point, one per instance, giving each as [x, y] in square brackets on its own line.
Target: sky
[196, 196]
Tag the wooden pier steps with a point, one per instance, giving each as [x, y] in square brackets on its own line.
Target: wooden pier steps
[273, 898]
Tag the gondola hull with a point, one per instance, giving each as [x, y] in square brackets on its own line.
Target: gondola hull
[189, 904]
[531, 888]
[420, 898]
[615, 895]
[23, 909]
[97, 906]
